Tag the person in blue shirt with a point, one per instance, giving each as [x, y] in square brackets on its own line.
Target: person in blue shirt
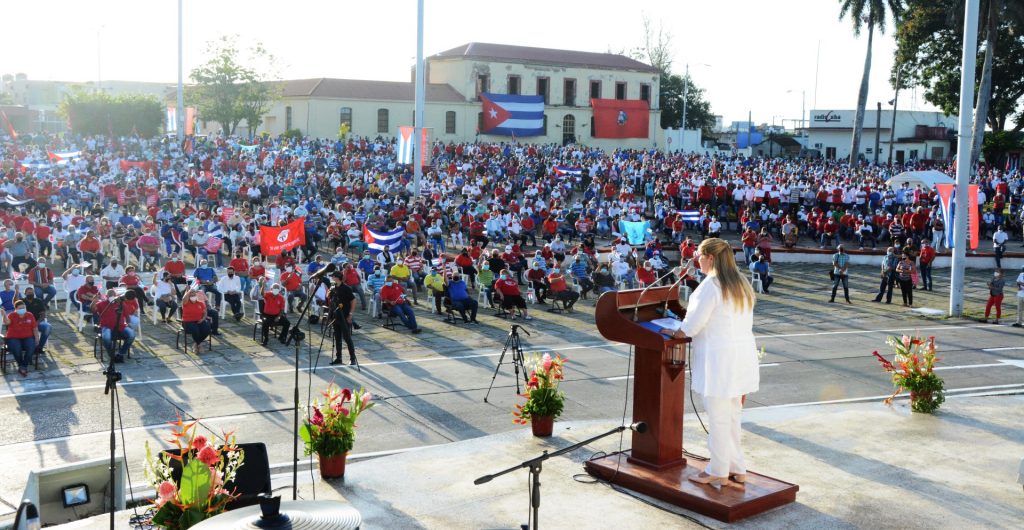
[367, 264]
[207, 278]
[581, 271]
[7, 296]
[458, 293]
[315, 265]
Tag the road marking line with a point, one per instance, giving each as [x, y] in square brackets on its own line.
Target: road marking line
[456, 358]
[961, 367]
[955, 392]
[1004, 349]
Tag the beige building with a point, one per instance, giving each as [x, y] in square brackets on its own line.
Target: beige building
[455, 78]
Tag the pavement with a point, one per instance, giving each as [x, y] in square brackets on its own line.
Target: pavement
[431, 386]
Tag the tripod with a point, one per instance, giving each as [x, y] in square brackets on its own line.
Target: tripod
[518, 362]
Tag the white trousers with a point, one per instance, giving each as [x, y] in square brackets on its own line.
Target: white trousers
[1020, 311]
[724, 436]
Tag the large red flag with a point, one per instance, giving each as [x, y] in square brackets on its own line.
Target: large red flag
[277, 239]
[10, 128]
[621, 118]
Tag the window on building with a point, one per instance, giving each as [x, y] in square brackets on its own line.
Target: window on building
[645, 93]
[569, 93]
[568, 129]
[620, 90]
[482, 84]
[542, 88]
[595, 90]
[345, 117]
[449, 122]
[382, 120]
[513, 85]
[288, 118]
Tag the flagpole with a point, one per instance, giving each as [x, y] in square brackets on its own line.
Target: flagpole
[179, 114]
[963, 159]
[420, 89]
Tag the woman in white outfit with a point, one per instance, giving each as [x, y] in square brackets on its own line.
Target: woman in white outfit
[723, 365]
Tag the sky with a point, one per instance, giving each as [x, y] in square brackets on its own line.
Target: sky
[749, 55]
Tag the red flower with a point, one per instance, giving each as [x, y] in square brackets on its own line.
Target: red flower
[885, 362]
[346, 395]
[209, 456]
[318, 417]
[199, 442]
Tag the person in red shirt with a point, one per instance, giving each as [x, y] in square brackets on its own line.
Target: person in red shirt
[42, 233]
[506, 290]
[273, 313]
[393, 298]
[21, 335]
[133, 282]
[550, 228]
[927, 256]
[194, 318]
[560, 289]
[89, 246]
[113, 316]
[465, 263]
[176, 268]
[646, 275]
[828, 233]
[292, 282]
[241, 266]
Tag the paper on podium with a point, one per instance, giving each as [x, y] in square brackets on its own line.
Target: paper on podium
[668, 323]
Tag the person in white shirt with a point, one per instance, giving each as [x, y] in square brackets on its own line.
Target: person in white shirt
[230, 286]
[166, 297]
[112, 273]
[999, 240]
[1020, 299]
[724, 364]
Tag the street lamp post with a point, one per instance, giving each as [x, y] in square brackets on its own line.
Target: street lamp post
[179, 115]
[892, 129]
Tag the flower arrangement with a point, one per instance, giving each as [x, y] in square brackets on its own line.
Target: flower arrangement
[202, 468]
[543, 398]
[912, 369]
[330, 426]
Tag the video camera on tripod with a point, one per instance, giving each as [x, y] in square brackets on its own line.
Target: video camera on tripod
[518, 360]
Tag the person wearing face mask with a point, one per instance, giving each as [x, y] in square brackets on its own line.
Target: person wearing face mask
[114, 325]
[273, 313]
[995, 295]
[175, 267]
[485, 280]
[21, 335]
[506, 290]
[194, 318]
[112, 273]
[560, 289]
[464, 261]
[291, 280]
[403, 275]
[340, 304]
[41, 278]
[166, 297]
[646, 275]
[207, 278]
[36, 306]
[435, 286]
[20, 250]
[603, 280]
[538, 278]
[133, 283]
[231, 287]
[241, 266]
[458, 293]
[8, 296]
[257, 273]
[392, 297]
[889, 263]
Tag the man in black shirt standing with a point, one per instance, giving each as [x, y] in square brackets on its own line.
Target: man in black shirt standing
[340, 303]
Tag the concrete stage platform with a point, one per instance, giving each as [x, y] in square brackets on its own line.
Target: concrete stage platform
[859, 465]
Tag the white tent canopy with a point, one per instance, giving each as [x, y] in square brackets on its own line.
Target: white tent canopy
[927, 179]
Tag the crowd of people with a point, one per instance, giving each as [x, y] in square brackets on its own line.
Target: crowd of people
[519, 222]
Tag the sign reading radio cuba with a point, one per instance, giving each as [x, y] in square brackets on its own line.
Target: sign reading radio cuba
[831, 118]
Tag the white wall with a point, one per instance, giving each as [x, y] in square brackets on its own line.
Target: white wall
[833, 128]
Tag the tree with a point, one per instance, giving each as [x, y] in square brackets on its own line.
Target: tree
[698, 109]
[229, 90]
[872, 14]
[929, 43]
[657, 51]
[90, 112]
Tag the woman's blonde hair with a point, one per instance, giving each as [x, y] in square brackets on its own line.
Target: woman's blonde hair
[735, 288]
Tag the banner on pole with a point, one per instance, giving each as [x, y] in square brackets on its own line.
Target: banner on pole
[947, 203]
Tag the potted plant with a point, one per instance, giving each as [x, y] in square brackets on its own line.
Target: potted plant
[330, 427]
[912, 369]
[202, 469]
[544, 401]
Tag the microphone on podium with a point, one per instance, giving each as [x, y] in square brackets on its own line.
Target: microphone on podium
[638, 426]
[644, 291]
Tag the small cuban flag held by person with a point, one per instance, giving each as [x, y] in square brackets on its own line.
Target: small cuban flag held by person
[690, 216]
[512, 115]
[378, 241]
[566, 171]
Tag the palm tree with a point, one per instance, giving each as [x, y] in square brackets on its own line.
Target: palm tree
[872, 14]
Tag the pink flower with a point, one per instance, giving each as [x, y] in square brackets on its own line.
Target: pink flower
[318, 417]
[208, 455]
[343, 411]
[366, 399]
[199, 442]
[167, 491]
[346, 394]
[547, 362]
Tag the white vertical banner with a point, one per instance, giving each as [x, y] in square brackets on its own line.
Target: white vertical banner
[172, 120]
[404, 149]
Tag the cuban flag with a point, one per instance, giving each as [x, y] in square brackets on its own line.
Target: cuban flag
[690, 216]
[405, 145]
[563, 171]
[378, 241]
[508, 115]
[215, 241]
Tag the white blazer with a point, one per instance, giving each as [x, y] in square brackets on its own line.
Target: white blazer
[723, 361]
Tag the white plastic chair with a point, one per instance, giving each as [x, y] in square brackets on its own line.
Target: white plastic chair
[755, 282]
[80, 319]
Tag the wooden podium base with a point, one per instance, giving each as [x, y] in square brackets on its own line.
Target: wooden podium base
[673, 485]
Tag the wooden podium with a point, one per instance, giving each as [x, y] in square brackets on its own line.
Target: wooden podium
[656, 466]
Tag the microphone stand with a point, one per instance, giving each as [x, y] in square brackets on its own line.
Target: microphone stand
[644, 291]
[112, 377]
[535, 467]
